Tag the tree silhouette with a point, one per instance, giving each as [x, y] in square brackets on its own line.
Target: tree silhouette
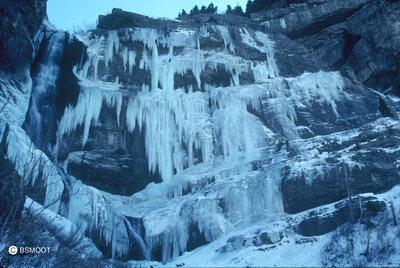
[228, 9]
[212, 9]
[195, 10]
[182, 14]
[238, 10]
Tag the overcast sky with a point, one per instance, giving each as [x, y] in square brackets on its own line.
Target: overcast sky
[65, 14]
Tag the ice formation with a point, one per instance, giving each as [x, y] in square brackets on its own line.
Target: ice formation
[172, 119]
[44, 86]
[195, 139]
[87, 110]
[32, 165]
[283, 23]
[228, 42]
[14, 101]
[88, 203]
[112, 46]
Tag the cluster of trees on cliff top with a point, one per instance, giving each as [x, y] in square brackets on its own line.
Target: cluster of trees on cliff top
[251, 7]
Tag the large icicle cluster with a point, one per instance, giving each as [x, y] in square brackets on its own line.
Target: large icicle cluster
[171, 120]
[88, 108]
[90, 211]
[220, 199]
[177, 123]
[182, 127]
[213, 131]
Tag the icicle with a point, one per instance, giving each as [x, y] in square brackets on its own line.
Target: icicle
[262, 73]
[112, 46]
[171, 120]
[131, 60]
[125, 57]
[228, 42]
[89, 210]
[237, 128]
[88, 107]
[154, 67]
[283, 23]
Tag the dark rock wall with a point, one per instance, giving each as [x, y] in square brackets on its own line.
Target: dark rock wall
[20, 20]
[113, 160]
[363, 46]
[362, 35]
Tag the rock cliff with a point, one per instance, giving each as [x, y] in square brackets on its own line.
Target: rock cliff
[158, 137]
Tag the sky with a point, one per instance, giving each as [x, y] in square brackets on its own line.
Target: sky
[67, 14]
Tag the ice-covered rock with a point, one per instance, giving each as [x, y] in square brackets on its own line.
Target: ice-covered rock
[157, 137]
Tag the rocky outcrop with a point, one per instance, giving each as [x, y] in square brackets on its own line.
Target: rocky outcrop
[119, 19]
[341, 34]
[372, 167]
[19, 23]
[363, 53]
[323, 223]
[309, 18]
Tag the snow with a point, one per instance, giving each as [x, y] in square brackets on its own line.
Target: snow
[65, 228]
[294, 250]
[282, 253]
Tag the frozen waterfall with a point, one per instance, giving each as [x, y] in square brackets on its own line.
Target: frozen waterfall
[203, 138]
[41, 113]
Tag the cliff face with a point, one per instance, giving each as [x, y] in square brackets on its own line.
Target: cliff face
[164, 136]
[20, 22]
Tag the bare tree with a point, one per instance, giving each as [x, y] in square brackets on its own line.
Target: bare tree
[14, 188]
